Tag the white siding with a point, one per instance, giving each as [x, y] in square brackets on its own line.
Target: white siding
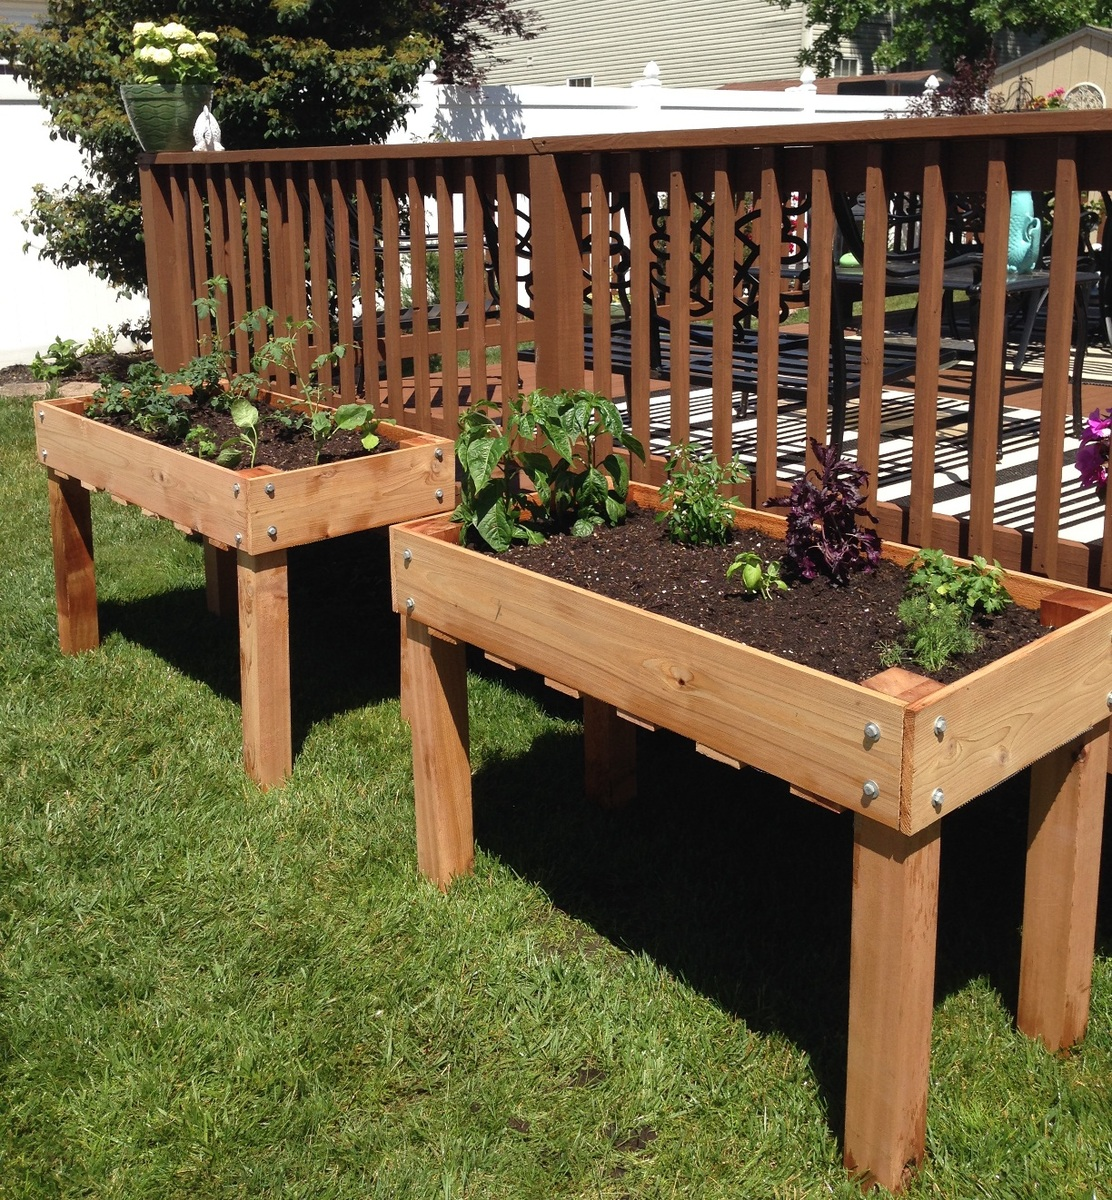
[22, 12]
[715, 42]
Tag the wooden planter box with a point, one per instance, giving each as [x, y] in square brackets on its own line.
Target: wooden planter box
[248, 519]
[899, 753]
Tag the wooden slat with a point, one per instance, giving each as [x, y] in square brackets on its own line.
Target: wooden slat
[368, 284]
[166, 247]
[768, 318]
[277, 260]
[722, 319]
[872, 320]
[474, 281]
[264, 658]
[75, 589]
[256, 264]
[821, 234]
[599, 266]
[345, 293]
[449, 338]
[319, 336]
[640, 283]
[419, 297]
[932, 241]
[1059, 325]
[679, 281]
[507, 274]
[391, 293]
[234, 258]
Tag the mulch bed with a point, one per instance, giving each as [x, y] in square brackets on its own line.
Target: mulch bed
[833, 629]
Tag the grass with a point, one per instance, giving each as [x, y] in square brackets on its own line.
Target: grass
[206, 991]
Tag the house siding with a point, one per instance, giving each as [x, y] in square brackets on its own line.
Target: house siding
[22, 12]
[1081, 57]
[720, 41]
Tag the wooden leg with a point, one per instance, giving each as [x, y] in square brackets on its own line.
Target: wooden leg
[891, 1000]
[1060, 901]
[434, 701]
[75, 586]
[610, 755]
[264, 667]
[221, 582]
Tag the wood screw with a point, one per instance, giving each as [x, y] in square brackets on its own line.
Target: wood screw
[269, 489]
[870, 790]
[872, 732]
[937, 796]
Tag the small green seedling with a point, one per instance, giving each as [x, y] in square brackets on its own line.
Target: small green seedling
[757, 577]
[976, 586]
[698, 514]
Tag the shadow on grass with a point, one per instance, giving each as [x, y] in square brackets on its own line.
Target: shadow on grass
[343, 634]
[742, 890]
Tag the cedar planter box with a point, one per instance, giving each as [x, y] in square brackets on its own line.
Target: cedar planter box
[248, 519]
[927, 750]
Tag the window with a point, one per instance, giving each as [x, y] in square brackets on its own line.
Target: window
[581, 81]
[844, 67]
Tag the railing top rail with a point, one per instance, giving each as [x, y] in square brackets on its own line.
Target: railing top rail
[1008, 125]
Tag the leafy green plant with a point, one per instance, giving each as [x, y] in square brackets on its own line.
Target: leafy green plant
[564, 484]
[100, 341]
[61, 358]
[975, 586]
[933, 635]
[698, 514]
[758, 578]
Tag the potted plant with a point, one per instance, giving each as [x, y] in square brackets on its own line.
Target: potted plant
[248, 513]
[898, 751]
[174, 72]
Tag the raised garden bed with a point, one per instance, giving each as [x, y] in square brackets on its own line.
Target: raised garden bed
[248, 520]
[898, 751]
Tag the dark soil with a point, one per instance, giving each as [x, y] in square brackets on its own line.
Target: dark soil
[91, 368]
[279, 447]
[833, 629]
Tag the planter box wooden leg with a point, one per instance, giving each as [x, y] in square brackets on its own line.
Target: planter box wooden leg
[892, 952]
[1060, 901]
[610, 755]
[75, 587]
[221, 580]
[434, 701]
[264, 666]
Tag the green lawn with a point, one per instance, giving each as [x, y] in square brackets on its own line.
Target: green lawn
[206, 991]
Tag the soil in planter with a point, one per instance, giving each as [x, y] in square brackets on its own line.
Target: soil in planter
[833, 629]
[278, 446]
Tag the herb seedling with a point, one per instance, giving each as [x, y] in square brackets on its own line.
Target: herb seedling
[933, 635]
[757, 577]
[698, 513]
[824, 534]
[573, 490]
[976, 586]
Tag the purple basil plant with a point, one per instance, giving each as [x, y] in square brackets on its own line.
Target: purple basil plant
[1092, 454]
[824, 536]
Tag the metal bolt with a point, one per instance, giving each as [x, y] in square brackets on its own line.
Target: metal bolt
[235, 489]
[44, 456]
[940, 725]
[269, 489]
[1107, 699]
[439, 493]
[872, 732]
[937, 796]
[407, 556]
[272, 531]
[870, 789]
[42, 416]
[410, 604]
[239, 539]
[438, 454]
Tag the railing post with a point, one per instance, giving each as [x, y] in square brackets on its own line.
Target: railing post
[169, 271]
[558, 281]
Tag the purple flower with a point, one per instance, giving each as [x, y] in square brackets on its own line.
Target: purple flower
[1092, 454]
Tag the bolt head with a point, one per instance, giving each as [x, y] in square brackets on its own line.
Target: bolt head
[272, 531]
[438, 454]
[42, 416]
[269, 489]
[235, 489]
[872, 731]
[940, 725]
[870, 789]
[44, 456]
[439, 493]
[937, 797]
[407, 556]
[239, 539]
[410, 604]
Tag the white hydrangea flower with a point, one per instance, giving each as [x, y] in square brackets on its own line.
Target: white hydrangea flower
[173, 32]
[141, 27]
[158, 55]
[192, 50]
[207, 37]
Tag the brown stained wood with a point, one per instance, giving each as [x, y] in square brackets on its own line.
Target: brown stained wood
[892, 953]
[768, 318]
[234, 256]
[507, 275]
[264, 666]
[680, 212]
[75, 589]
[1068, 604]
[821, 232]
[319, 340]
[1059, 326]
[278, 257]
[599, 217]
[391, 292]
[255, 263]
[1008, 715]
[419, 299]
[166, 248]
[305, 505]
[221, 580]
[345, 292]
[724, 257]
[932, 240]
[739, 701]
[449, 338]
[640, 282]
[872, 320]
[1060, 899]
[990, 355]
[474, 279]
[434, 699]
[609, 755]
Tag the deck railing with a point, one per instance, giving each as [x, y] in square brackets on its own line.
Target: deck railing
[448, 266]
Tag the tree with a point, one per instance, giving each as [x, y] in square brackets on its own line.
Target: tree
[952, 29]
[292, 73]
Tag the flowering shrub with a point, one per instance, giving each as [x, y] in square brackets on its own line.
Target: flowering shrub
[1053, 99]
[1092, 454]
[172, 53]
